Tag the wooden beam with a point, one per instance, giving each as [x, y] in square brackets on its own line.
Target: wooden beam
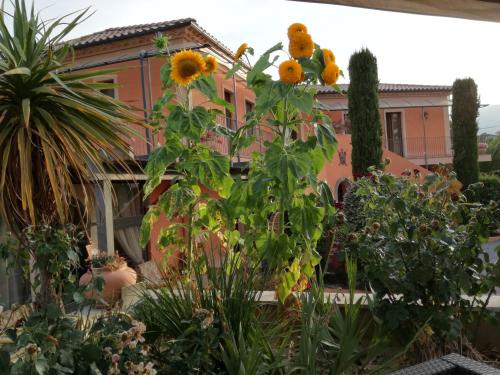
[104, 217]
[479, 10]
[126, 222]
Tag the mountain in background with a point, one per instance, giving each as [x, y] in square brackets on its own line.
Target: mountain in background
[489, 119]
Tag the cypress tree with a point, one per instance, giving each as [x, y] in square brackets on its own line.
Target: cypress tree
[364, 114]
[464, 112]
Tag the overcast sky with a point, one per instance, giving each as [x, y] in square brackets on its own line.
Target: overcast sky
[409, 48]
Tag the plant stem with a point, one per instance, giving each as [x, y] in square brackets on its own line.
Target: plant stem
[190, 240]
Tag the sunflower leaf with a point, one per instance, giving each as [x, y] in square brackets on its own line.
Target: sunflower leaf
[263, 63]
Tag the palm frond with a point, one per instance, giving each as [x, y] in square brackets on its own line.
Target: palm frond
[56, 127]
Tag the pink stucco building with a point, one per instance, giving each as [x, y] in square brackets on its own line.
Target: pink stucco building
[415, 122]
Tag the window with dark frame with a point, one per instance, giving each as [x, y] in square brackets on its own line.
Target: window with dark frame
[249, 107]
[230, 120]
[108, 92]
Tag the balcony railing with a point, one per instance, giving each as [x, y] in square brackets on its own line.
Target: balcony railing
[216, 141]
[430, 147]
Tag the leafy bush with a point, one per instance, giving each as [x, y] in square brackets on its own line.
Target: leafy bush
[421, 252]
[49, 342]
[55, 254]
[187, 321]
[216, 325]
[487, 192]
[353, 208]
[490, 190]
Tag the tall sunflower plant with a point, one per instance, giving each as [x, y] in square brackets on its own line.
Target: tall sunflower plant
[201, 174]
[280, 204]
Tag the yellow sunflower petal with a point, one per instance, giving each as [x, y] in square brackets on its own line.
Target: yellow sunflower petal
[211, 64]
[296, 28]
[301, 46]
[328, 56]
[240, 51]
[186, 67]
[330, 74]
[290, 72]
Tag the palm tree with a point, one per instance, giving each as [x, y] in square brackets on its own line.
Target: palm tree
[57, 130]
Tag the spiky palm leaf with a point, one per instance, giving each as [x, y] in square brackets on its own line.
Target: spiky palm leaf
[56, 128]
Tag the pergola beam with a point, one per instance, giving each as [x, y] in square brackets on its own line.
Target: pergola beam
[479, 10]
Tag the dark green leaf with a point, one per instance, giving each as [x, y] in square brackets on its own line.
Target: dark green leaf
[263, 63]
[326, 139]
[4, 362]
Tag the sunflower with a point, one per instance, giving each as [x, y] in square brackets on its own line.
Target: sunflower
[454, 187]
[301, 45]
[240, 51]
[330, 73]
[290, 72]
[186, 67]
[211, 64]
[328, 56]
[296, 28]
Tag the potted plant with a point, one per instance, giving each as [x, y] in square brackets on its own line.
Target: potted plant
[115, 272]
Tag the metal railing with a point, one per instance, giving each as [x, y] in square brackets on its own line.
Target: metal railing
[432, 147]
[216, 141]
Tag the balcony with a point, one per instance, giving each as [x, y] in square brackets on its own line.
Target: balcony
[429, 150]
[216, 141]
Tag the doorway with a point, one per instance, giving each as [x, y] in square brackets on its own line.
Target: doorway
[394, 132]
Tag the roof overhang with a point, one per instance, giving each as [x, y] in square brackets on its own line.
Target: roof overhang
[479, 10]
[387, 103]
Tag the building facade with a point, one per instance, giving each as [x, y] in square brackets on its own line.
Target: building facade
[415, 120]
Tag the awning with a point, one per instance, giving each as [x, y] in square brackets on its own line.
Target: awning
[480, 10]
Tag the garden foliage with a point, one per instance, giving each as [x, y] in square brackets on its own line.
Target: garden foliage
[50, 342]
[277, 201]
[217, 325]
[421, 253]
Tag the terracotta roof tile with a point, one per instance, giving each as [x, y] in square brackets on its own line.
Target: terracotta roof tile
[117, 33]
[391, 88]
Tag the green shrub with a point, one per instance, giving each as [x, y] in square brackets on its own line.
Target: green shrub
[49, 342]
[54, 253]
[421, 252]
[187, 321]
[490, 189]
[487, 192]
[353, 208]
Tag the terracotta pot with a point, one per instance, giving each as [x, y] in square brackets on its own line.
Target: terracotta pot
[114, 281]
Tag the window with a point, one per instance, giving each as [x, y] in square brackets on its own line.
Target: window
[230, 121]
[249, 106]
[111, 91]
[347, 120]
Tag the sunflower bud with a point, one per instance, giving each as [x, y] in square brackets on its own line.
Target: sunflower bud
[423, 228]
[493, 204]
[376, 226]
